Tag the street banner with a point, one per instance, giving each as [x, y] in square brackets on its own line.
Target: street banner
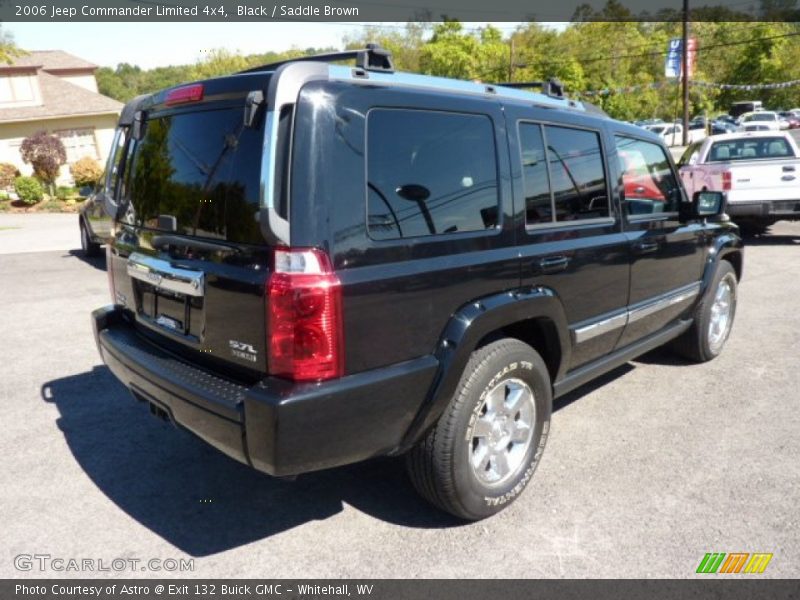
[672, 65]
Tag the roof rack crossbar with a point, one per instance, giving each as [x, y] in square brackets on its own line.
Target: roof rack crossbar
[371, 58]
[552, 87]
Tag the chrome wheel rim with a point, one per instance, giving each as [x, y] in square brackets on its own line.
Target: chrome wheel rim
[721, 309]
[501, 433]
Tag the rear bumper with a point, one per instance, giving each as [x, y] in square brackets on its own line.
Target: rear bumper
[764, 208]
[276, 426]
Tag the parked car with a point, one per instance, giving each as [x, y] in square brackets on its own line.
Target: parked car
[314, 264]
[647, 122]
[730, 120]
[722, 127]
[792, 119]
[672, 134]
[758, 172]
[764, 120]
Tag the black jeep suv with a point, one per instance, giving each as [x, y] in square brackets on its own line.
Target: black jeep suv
[314, 264]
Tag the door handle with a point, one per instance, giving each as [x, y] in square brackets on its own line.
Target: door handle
[645, 247]
[552, 264]
[788, 169]
[788, 178]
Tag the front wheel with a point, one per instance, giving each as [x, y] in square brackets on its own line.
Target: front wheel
[486, 445]
[713, 318]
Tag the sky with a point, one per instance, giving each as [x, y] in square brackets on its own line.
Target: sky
[107, 44]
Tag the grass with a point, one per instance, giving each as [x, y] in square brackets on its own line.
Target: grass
[7, 228]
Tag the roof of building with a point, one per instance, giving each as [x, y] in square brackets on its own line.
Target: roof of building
[61, 99]
[50, 60]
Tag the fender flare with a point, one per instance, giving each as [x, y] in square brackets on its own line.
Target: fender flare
[726, 246]
[467, 327]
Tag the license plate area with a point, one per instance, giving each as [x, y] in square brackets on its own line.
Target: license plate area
[169, 311]
[169, 299]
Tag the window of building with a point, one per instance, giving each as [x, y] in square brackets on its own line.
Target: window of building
[17, 89]
[430, 173]
[78, 143]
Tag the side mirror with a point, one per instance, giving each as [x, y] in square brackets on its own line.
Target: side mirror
[704, 204]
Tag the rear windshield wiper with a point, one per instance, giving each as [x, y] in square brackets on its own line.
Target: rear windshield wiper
[161, 242]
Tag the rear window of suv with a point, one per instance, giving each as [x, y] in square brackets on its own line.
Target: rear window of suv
[197, 174]
[430, 173]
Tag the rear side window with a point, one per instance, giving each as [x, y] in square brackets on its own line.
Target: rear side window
[430, 173]
[577, 175]
[649, 184]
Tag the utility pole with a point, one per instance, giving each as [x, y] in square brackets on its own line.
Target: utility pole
[511, 60]
[685, 72]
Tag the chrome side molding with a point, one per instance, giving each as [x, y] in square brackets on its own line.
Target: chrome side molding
[164, 276]
[650, 307]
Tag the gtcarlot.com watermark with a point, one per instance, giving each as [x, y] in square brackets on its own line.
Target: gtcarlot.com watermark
[59, 564]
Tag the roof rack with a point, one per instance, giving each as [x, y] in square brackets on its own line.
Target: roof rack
[370, 58]
[552, 87]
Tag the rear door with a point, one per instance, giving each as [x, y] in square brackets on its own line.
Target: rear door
[189, 262]
[569, 232]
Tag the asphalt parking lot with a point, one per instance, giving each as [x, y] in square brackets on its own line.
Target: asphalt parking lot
[646, 470]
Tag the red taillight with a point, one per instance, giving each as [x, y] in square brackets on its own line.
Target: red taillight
[182, 95]
[110, 272]
[304, 317]
[726, 181]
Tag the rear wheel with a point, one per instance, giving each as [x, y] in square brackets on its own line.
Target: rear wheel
[87, 245]
[713, 318]
[483, 451]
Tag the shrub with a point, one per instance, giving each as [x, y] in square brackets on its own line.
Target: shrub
[86, 171]
[8, 173]
[63, 192]
[29, 189]
[46, 154]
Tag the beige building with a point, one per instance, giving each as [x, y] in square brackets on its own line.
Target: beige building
[57, 92]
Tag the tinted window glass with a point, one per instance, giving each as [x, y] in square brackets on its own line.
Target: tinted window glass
[538, 201]
[649, 184]
[430, 173]
[577, 174]
[749, 149]
[197, 174]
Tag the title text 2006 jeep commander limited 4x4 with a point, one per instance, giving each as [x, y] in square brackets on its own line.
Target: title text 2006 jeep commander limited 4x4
[314, 264]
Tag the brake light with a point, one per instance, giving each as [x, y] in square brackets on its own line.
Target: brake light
[726, 181]
[110, 272]
[304, 316]
[183, 95]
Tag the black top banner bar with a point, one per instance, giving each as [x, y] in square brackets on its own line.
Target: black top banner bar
[359, 11]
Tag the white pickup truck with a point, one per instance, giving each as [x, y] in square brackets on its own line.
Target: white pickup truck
[760, 171]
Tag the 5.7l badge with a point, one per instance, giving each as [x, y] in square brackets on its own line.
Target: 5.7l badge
[242, 350]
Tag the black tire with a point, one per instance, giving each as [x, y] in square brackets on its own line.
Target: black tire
[440, 464]
[89, 247]
[752, 228]
[695, 344]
